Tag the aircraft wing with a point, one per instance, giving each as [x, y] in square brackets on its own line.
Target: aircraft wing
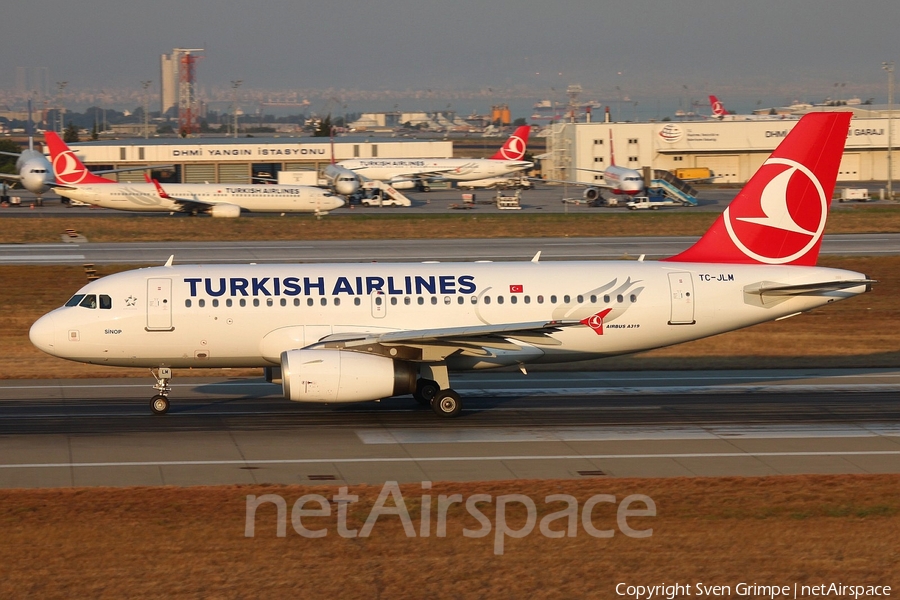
[431, 172]
[596, 184]
[439, 343]
[184, 204]
[126, 169]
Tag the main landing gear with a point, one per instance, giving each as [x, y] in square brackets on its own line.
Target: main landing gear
[159, 403]
[433, 389]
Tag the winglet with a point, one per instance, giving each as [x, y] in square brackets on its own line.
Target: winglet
[159, 190]
[778, 218]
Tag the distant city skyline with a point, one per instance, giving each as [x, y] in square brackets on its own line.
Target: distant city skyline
[767, 52]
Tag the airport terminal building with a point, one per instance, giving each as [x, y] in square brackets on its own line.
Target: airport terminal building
[243, 160]
[732, 149]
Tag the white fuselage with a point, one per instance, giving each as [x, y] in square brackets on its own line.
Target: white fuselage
[456, 169]
[144, 197]
[247, 315]
[622, 180]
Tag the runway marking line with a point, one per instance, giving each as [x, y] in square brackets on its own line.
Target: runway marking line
[300, 461]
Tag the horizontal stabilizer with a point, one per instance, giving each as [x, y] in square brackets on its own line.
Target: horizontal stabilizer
[806, 289]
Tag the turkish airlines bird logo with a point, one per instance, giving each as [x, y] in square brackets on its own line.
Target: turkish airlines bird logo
[68, 169]
[595, 321]
[717, 108]
[513, 149]
[789, 218]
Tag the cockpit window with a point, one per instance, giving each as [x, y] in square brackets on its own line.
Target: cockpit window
[105, 302]
[75, 300]
[90, 301]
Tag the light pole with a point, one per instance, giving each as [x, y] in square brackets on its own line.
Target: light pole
[61, 85]
[889, 67]
[146, 85]
[234, 86]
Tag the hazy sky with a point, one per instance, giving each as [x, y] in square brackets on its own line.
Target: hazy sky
[639, 45]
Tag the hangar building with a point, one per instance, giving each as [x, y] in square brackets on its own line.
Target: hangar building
[732, 149]
[242, 160]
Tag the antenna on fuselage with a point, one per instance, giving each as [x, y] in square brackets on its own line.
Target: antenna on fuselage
[170, 261]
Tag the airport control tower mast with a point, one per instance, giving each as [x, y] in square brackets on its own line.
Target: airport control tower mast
[187, 113]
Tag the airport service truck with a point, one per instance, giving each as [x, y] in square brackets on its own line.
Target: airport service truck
[854, 194]
[644, 202]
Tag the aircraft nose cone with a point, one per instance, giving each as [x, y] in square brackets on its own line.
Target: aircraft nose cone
[43, 334]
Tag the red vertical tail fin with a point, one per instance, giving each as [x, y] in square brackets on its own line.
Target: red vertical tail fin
[778, 218]
[718, 109]
[514, 148]
[67, 168]
[612, 151]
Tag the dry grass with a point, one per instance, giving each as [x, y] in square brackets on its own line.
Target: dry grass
[860, 332]
[347, 225]
[171, 542]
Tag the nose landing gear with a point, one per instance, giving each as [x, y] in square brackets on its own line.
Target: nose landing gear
[159, 403]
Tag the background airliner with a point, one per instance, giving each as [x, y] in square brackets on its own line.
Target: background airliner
[360, 332]
[73, 180]
[618, 180]
[406, 173]
[34, 171]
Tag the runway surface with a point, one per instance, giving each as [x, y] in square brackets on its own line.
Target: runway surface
[545, 425]
[496, 249]
[542, 199]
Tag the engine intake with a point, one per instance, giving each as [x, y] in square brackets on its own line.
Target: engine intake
[344, 376]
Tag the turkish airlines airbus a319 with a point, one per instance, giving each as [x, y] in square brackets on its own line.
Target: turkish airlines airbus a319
[361, 332]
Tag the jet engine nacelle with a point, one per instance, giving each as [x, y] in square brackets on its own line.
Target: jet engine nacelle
[344, 376]
[225, 211]
[404, 184]
[591, 193]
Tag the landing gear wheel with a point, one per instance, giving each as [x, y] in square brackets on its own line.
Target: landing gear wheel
[426, 390]
[159, 404]
[447, 403]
